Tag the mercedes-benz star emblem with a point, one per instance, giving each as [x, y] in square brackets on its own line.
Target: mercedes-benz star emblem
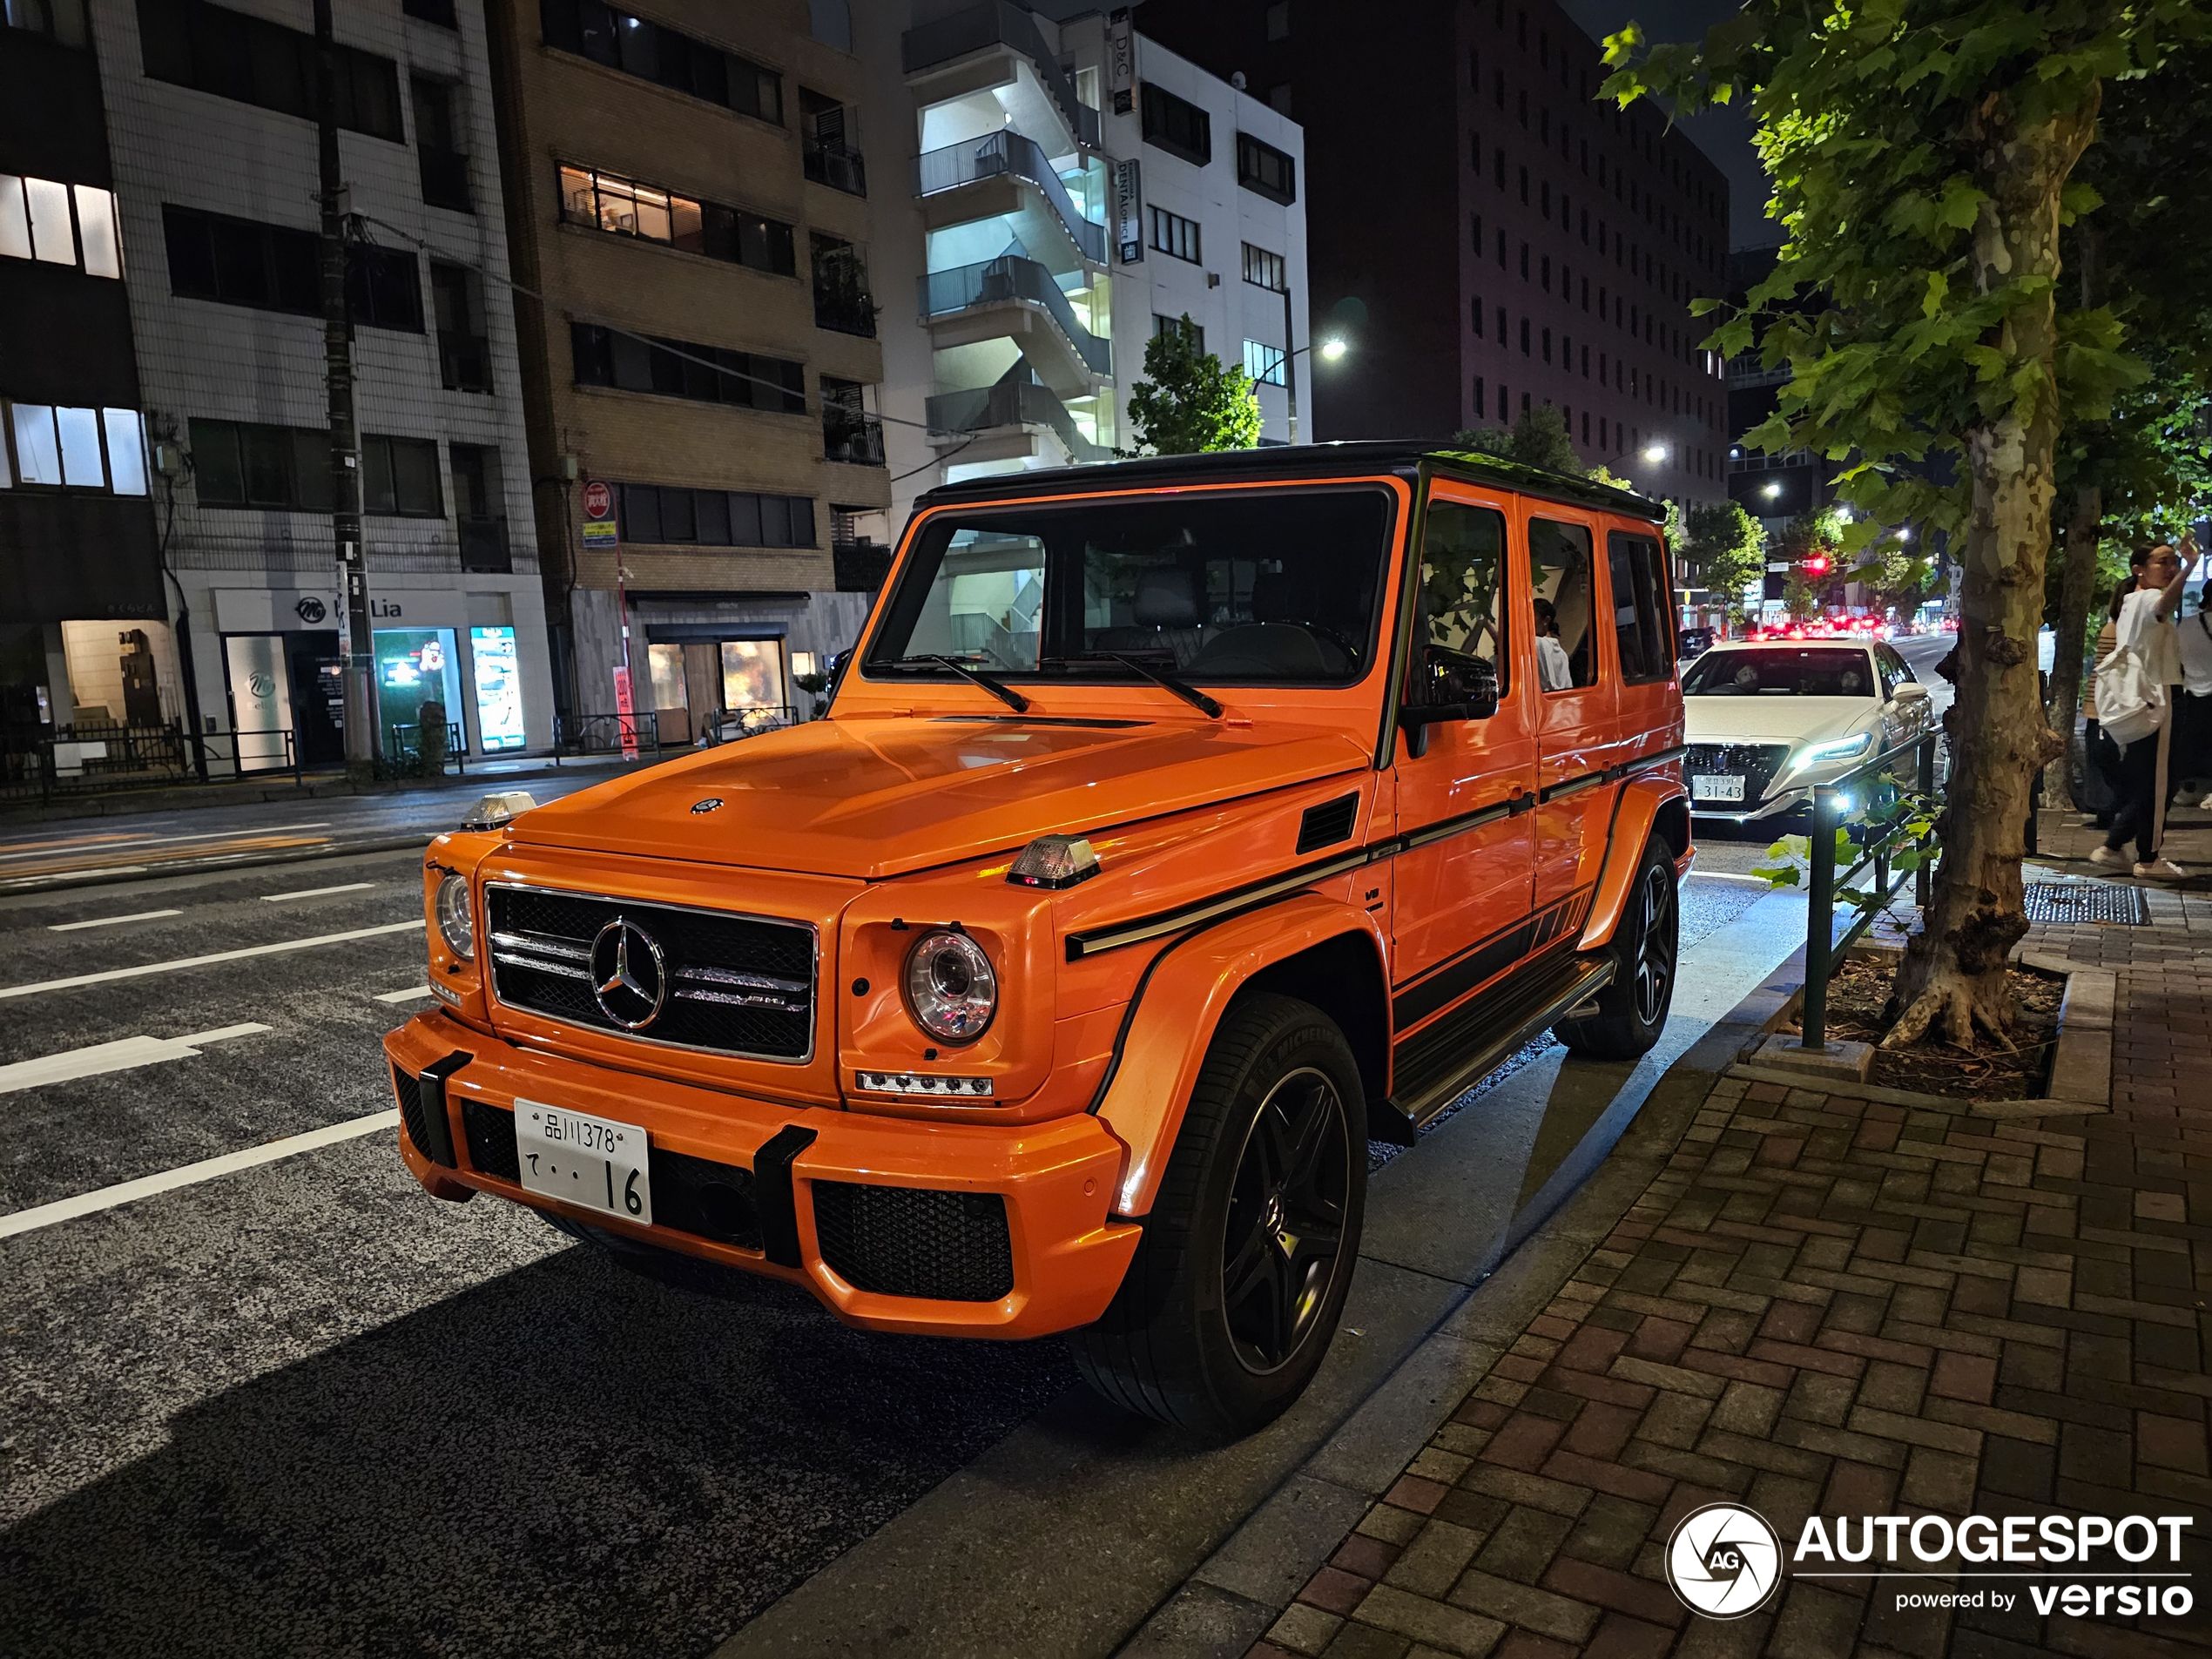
[712, 803]
[629, 975]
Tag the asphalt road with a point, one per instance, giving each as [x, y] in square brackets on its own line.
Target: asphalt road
[302, 1408]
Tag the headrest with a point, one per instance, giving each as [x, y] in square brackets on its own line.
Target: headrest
[1166, 598]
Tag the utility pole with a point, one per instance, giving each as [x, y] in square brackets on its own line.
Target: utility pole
[355, 640]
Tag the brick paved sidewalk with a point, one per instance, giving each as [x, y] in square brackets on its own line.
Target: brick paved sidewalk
[1831, 1306]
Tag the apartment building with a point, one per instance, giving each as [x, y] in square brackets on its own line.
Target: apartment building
[213, 144]
[85, 634]
[1059, 193]
[1486, 236]
[688, 194]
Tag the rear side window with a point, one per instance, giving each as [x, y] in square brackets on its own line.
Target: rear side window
[1642, 613]
[1463, 610]
[1558, 565]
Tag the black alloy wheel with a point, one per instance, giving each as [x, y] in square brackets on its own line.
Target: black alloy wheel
[1627, 1016]
[1654, 981]
[1286, 1214]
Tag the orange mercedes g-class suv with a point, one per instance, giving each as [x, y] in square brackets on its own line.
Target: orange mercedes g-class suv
[1176, 828]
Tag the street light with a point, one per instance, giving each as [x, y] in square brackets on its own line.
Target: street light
[1333, 350]
[1654, 452]
[1771, 491]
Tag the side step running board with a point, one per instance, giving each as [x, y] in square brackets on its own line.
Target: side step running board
[1497, 1032]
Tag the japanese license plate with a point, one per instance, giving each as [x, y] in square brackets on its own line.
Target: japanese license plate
[1713, 788]
[586, 1161]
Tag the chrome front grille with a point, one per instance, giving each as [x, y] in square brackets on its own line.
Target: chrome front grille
[733, 984]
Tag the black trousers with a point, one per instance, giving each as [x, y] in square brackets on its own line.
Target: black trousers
[2138, 813]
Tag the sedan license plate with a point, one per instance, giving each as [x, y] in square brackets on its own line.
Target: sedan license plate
[590, 1162]
[1712, 788]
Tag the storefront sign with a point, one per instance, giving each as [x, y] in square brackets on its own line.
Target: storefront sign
[624, 712]
[417, 680]
[1121, 59]
[260, 700]
[599, 528]
[1129, 209]
[499, 688]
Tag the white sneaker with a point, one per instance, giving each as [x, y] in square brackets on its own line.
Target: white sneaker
[2160, 870]
[2107, 858]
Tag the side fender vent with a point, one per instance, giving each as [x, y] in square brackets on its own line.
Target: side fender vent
[1327, 824]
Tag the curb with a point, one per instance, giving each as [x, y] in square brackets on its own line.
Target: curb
[1237, 1594]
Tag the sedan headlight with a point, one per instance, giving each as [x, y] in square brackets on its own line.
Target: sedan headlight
[952, 990]
[1820, 754]
[456, 919]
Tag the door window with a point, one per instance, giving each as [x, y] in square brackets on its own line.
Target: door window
[1461, 625]
[1558, 565]
[1641, 609]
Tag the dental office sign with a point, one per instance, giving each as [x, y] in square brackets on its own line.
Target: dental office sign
[1725, 1560]
[1129, 209]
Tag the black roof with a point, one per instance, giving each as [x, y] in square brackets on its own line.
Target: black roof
[1288, 462]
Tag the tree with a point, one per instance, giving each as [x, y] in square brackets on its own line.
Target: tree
[1921, 152]
[1539, 438]
[1724, 544]
[1189, 403]
[1898, 576]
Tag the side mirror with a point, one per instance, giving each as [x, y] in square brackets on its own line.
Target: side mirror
[1911, 691]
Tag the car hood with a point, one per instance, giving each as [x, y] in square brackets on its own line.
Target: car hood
[870, 798]
[1776, 719]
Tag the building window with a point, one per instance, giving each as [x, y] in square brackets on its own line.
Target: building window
[622, 206]
[1265, 171]
[74, 449]
[60, 21]
[1524, 261]
[1265, 270]
[667, 58]
[1172, 234]
[660, 514]
[1475, 313]
[1279, 97]
[1478, 397]
[212, 49]
[1501, 325]
[273, 267]
[1524, 186]
[1177, 126]
[1278, 20]
[457, 305]
[1264, 363]
[399, 477]
[1502, 250]
[37, 222]
[826, 138]
[237, 463]
[436, 11]
[679, 368]
[842, 302]
[1474, 233]
[384, 288]
[1547, 274]
[1548, 345]
[1182, 326]
[440, 158]
[1524, 337]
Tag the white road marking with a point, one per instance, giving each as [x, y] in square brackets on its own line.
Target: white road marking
[7, 991]
[136, 843]
[408, 995]
[316, 893]
[86, 1204]
[108, 921]
[126, 1054]
[1725, 875]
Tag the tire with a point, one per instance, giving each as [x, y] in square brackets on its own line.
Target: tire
[1632, 1010]
[1235, 1291]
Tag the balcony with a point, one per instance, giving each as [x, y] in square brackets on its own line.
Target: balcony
[445, 178]
[1007, 155]
[483, 546]
[852, 436]
[836, 166]
[464, 361]
[1000, 24]
[1011, 403]
[1014, 297]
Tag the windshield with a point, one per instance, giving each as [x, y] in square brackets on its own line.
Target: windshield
[1780, 671]
[1234, 587]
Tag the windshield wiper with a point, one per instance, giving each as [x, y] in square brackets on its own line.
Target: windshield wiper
[998, 689]
[1183, 688]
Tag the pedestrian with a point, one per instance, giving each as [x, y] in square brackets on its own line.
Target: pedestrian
[2191, 762]
[2099, 753]
[1553, 672]
[2135, 692]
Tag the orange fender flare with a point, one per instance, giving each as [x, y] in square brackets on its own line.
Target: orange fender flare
[1636, 812]
[1177, 1006]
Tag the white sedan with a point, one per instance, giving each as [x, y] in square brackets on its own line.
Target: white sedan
[1768, 721]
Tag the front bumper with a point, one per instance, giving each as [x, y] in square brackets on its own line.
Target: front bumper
[905, 1205]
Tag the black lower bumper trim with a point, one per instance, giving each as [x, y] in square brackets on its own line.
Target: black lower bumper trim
[771, 1193]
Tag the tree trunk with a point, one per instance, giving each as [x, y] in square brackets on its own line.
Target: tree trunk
[2076, 584]
[1953, 978]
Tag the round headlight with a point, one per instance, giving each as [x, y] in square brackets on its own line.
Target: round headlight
[951, 990]
[456, 920]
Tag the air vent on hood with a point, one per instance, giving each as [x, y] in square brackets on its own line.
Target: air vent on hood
[1327, 824]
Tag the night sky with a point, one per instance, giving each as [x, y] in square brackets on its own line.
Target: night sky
[1725, 135]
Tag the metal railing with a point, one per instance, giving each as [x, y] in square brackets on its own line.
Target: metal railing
[81, 759]
[601, 734]
[403, 744]
[1011, 403]
[1833, 809]
[997, 22]
[852, 435]
[1001, 153]
[1012, 277]
[836, 166]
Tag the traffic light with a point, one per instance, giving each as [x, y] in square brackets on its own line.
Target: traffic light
[1816, 565]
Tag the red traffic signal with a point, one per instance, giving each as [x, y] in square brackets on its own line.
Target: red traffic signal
[1816, 565]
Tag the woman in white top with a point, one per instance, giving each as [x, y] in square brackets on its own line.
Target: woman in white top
[1553, 672]
[2146, 628]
